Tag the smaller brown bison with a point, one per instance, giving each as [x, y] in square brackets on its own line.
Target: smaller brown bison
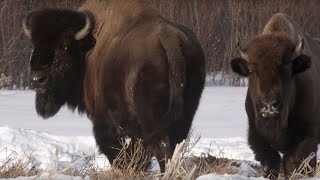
[134, 73]
[283, 99]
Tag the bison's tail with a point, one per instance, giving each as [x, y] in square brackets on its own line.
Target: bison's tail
[176, 63]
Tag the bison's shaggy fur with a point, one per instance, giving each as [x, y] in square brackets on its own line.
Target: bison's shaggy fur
[283, 99]
[133, 72]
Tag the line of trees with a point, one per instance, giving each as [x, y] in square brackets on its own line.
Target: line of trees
[217, 24]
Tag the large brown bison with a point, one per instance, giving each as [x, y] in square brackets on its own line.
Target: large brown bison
[134, 73]
[283, 99]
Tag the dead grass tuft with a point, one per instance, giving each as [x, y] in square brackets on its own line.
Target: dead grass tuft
[12, 167]
[210, 164]
[305, 169]
[130, 163]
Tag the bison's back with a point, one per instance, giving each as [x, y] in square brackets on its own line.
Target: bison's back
[132, 69]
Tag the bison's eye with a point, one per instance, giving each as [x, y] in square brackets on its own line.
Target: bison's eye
[66, 49]
[63, 47]
[251, 69]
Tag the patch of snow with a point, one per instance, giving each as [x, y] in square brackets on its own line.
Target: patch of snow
[246, 170]
[17, 110]
[48, 151]
[220, 114]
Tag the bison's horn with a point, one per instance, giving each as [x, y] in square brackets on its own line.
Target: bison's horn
[243, 53]
[85, 30]
[299, 48]
[25, 26]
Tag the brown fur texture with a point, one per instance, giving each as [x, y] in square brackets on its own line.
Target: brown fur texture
[136, 74]
[277, 75]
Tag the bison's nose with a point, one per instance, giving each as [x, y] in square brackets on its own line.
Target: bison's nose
[269, 109]
[38, 79]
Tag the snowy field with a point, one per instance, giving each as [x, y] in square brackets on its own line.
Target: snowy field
[220, 115]
[53, 143]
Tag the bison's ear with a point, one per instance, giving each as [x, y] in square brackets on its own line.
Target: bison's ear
[240, 66]
[300, 64]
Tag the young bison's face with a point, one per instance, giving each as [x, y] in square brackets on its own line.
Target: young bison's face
[271, 62]
[60, 39]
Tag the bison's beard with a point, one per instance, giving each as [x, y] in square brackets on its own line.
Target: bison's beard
[47, 104]
[269, 124]
[273, 129]
[274, 123]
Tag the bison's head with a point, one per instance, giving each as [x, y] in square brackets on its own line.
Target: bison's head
[60, 41]
[272, 62]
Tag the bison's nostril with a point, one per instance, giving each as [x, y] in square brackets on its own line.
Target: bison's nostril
[275, 104]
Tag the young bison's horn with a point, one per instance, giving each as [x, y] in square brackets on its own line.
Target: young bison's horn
[243, 53]
[299, 48]
[25, 26]
[85, 30]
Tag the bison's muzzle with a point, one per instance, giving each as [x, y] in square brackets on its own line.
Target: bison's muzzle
[269, 109]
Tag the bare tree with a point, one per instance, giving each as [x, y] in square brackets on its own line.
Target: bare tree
[217, 23]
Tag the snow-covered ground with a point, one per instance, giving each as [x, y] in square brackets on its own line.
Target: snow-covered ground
[220, 115]
[67, 137]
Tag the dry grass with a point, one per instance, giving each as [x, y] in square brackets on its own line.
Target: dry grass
[305, 168]
[210, 164]
[16, 169]
[12, 167]
[129, 164]
[132, 160]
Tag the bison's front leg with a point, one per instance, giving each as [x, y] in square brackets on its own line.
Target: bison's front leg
[160, 147]
[107, 141]
[295, 156]
[164, 152]
[268, 157]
